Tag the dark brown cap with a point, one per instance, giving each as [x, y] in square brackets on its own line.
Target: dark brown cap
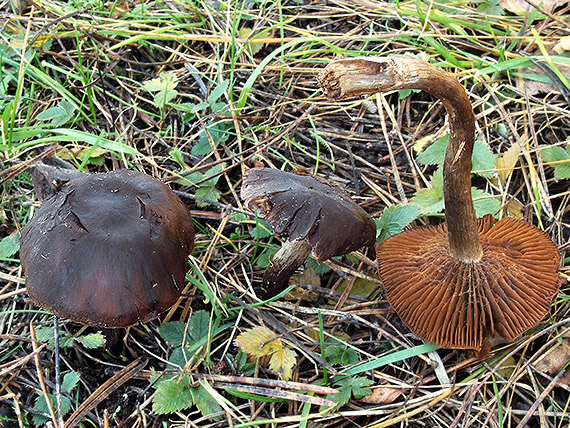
[460, 305]
[308, 211]
[108, 249]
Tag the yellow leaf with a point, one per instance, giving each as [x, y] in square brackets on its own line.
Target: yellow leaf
[258, 342]
[506, 164]
[515, 209]
[423, 143]
[282, 362]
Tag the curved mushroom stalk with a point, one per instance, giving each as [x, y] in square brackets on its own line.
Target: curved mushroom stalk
[315, 215]
[469, 280]
[108, 249]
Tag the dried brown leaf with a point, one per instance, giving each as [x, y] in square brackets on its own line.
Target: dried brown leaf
[383, 395]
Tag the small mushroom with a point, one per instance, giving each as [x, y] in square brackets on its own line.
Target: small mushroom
[108, 249]
[314, 214]
[467, 281]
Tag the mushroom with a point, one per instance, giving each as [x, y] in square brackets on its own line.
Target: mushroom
[314, 214]
[467, 281]
[107, 249]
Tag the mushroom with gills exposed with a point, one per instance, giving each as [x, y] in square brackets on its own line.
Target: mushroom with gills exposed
[105, 249]
[467, 281]
[315, 215]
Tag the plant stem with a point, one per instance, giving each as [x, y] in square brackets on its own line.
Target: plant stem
[350, 77]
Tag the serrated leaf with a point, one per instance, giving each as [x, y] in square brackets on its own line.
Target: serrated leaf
[357, 385]
[199, 325]
[282, 361]
[207, 192]
[560, 160]
[261, 230]
[341, 354]
[484, 203]
[163, 87]
[394, 219]
[259, 342]
[179, 357]
[9, 245]
[165, 81]
[319, 268]
[41, 406]
[506, 163]
[401, 214]
[172, 395]
[92, 340]
[482, 158]
[204, 401]
[173, 332]
[433, 154]
[430, 201]
[45, 334]
[70, 381]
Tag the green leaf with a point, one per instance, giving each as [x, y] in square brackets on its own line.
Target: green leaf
[341, 354]
[41, 406]
[199, 325]
[9, 245]
[204, 401]
[394, 219]
[350, 386]
[92, 340]
[484, 203]
[261, 230]
[45, 335]
[179, 357]
[557, 154]
[434, 154]
[70, 381]
[357, 385]
[173, 332]
[319, 268]
[163, 88]
[263, 259]
[172, 395]
[429, 200]
[218, 91]
[483, 158]
[207, 192]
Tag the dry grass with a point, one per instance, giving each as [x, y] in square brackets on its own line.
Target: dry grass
[96, 55]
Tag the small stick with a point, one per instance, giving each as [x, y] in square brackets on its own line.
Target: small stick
[41, 376]
[57, 371]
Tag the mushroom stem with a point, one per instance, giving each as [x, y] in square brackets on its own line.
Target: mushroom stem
[351, 77]
[285, 262]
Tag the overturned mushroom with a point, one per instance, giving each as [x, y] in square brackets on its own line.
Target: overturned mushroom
[108, 249]
[467, 281]
[315, 216]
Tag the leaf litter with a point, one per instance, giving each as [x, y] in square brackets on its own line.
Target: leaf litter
[123, 87]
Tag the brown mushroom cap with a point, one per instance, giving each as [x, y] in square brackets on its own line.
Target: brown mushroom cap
[459, 305]
[108, 249]
[309, 211]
